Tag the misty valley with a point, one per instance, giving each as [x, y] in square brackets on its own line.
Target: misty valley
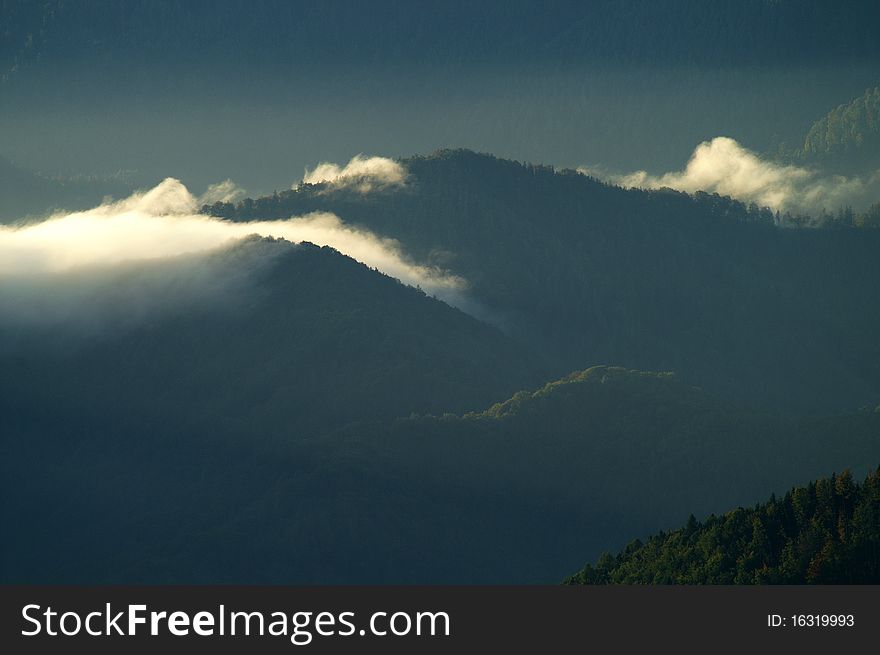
[456, 366]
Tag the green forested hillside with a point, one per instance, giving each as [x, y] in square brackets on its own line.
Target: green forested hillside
[519, 492]
[589, 273]
[871, 217]
[827, 532]
[632, 445]
[599, 362]
[844, 146]
[297, 417]
[847, 139]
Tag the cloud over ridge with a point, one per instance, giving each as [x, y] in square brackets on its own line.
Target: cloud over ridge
[165, 222]
[725, 167]
[361, 173]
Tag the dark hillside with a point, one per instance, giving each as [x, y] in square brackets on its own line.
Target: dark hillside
[589, 273]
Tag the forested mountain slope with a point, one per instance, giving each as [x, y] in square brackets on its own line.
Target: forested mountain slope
[847, 139]
[591, 273]
[827, 532]
[269, 336]
[520, 492]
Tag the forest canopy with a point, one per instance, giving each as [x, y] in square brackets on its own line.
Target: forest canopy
[827, 532]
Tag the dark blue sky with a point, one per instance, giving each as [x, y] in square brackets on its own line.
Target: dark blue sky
[256, 91]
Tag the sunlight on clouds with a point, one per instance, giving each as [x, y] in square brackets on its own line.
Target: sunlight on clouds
[723, 166]
[164, 222]
[226, 191]
[363, 174]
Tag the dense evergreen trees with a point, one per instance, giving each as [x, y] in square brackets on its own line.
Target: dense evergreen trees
[848, 137]
[827, 532]
[871, 217]
[845, 141]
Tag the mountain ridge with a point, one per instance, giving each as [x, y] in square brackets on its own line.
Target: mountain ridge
[653, 280]
[447, 498]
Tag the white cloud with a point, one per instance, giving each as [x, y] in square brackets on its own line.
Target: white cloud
[723, 166]
[226, 191]
[363, 174]
[164, 222]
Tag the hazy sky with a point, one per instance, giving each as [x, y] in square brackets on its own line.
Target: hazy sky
[257, 92]
[625, 119]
